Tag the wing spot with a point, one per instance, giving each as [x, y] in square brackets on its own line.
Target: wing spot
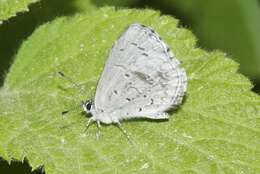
[145, 96]
[127, 75]
[122, 49]
[168, 49]
[128, 99]
[141, 48]
[115, 91]
[140, 109]
[152, 101]
[135, 44]
[144, 54]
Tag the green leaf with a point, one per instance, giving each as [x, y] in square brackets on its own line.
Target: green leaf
[9, 8]
[215, 130]
[13, 32]
[87, 5]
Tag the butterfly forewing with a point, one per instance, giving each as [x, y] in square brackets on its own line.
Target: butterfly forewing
[141, 76]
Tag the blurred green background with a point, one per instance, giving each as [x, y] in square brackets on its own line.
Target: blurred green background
[232, 26]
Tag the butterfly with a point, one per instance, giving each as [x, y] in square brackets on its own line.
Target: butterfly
[141, 79]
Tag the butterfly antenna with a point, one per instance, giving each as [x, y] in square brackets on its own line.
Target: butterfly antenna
[71, 81]
[69, 110]
[64, 112]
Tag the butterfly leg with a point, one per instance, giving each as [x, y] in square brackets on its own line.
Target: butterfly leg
[119, 125]
[90, 120]
[99, 127]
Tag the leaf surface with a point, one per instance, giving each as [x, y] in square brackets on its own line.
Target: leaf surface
[9, 8]
[215, 130]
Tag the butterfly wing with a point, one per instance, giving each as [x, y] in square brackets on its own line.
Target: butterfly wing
[141, 77]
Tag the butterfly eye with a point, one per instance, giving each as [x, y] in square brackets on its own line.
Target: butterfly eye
[89, 105]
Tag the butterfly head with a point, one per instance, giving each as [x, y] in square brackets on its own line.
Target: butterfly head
[87, 105]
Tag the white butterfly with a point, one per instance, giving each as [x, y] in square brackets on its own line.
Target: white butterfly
[141, 78]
